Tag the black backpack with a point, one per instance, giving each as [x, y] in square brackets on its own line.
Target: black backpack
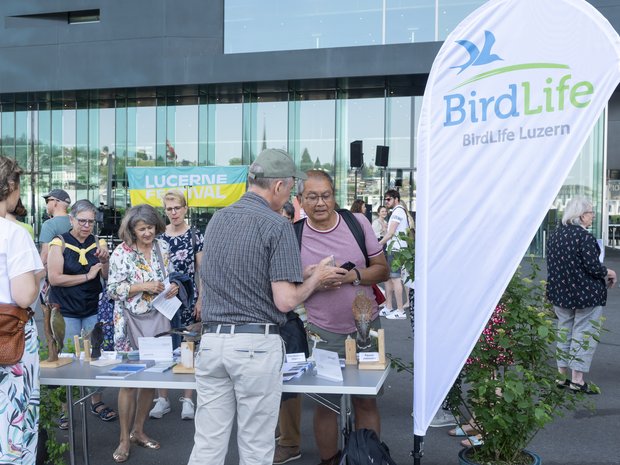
[364, 448]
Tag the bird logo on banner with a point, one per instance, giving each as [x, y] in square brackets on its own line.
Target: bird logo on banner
[478, 57]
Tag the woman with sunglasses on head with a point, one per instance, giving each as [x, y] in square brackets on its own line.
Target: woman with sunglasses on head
[75, 262]
[185, 254]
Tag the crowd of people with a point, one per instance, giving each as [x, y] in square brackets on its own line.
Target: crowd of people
[247, 278]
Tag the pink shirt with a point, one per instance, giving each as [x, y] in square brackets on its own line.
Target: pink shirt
[332, 309]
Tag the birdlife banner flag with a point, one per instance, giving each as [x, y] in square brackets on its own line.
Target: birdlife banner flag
[203, 186]
[512, 96]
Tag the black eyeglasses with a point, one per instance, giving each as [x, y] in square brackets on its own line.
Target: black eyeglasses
[85, 222]
[388, 198]
[173, 209]
[50, 199]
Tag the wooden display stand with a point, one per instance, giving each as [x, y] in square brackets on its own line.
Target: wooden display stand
[56, 363]
[380, 364]
[187, 359]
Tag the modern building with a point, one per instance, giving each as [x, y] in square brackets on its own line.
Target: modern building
[89, 87]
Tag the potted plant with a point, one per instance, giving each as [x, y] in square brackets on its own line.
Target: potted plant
[509, 386]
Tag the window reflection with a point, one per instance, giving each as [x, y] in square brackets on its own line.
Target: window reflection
[364, 121]
[315, 134]
[452, 12]
[182, 129]
[225, 144]
[268, 123]
[345, 23]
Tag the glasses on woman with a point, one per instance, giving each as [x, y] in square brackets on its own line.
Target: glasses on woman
[173, 209]
[85, 222]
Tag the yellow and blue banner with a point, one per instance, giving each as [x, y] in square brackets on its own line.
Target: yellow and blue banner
[203, 186]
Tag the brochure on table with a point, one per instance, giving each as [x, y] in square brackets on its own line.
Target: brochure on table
[158, 349]
[327, 365]
[122, 371]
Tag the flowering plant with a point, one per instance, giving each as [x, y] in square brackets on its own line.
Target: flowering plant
[508, 387]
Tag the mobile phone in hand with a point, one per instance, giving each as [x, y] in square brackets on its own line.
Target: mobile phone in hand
[348, 266]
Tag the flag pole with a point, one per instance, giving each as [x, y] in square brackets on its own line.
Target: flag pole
[418, 449]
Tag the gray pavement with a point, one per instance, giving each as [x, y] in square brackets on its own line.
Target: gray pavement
[580, 437]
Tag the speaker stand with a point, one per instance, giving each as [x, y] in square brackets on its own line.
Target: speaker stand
[355, 185]
[381, 174]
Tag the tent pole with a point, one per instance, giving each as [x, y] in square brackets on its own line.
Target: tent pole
[418, 449]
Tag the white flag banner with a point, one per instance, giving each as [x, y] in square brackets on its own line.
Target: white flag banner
[511, 99]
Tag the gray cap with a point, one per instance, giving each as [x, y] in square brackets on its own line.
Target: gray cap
[276, 163]
[58, 194]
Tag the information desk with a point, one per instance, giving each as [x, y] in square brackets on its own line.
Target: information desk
[82, 374]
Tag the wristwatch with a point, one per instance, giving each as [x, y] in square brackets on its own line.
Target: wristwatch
[356, 282]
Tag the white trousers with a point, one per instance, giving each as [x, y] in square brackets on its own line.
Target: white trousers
[237, 373]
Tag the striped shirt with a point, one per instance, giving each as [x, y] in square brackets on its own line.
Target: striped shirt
[247, 246]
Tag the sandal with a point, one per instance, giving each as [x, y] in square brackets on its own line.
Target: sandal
[147, 444]
[472, 441]
[104, 412]
[463, 430]
[120, 457]
[562, 384]
[63, 422]
[585, 388]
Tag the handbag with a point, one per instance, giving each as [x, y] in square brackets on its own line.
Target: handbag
[13, 321]
[145, 325]
[379, 296]
[150, 323]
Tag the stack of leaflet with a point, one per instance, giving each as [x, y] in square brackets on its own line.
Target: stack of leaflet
[292, 370]
[122, 371]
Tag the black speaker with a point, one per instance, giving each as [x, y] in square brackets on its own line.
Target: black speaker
[382, 156]
[357, 156]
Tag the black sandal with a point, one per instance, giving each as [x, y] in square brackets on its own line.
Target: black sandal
[104, 412]
[585, 388]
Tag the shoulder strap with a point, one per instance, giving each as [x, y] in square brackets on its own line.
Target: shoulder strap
[356, 230]
[298, 226]
[193, 231]
[352, 223]
[160, 258]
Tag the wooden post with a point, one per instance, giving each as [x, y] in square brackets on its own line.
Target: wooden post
[350, 351]
[76, 343]
[87, 350]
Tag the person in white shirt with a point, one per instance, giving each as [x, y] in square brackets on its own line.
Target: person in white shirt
[398, 223]
[21, 270]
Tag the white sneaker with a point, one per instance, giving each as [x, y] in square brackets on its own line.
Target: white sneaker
[397, 315]
[187, 413]
[162, 406]
[443, 418]
[385, 311]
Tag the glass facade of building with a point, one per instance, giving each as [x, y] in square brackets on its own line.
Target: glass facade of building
[259, 26]
[83, 142]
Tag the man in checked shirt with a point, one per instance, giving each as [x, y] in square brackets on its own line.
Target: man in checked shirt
[251, 276]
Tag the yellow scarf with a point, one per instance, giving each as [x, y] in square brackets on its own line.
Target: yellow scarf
[81, 252]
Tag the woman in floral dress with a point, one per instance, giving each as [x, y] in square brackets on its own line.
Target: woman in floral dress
[138, 267]
[185, 253]
[20, 268]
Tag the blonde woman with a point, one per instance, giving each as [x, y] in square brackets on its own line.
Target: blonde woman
[185, 245]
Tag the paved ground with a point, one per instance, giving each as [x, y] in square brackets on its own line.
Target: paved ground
[579, 438]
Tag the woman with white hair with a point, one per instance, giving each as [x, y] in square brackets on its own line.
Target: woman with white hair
[577, 288]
